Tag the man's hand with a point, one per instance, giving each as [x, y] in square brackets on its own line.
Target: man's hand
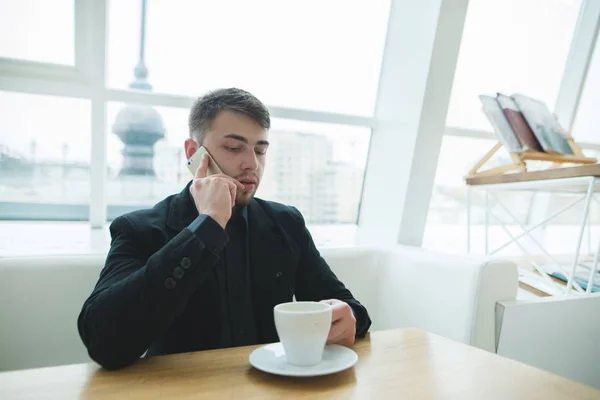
[343, 323]
[214, 195]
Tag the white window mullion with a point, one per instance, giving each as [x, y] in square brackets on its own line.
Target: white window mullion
[411, 110]
[179, 101]
[578, 62]
[93, 54]
[149, 98]
[44, 87]
[319, 116]
[83, 38]
[469, 133]
[481, 134]
[10, 67]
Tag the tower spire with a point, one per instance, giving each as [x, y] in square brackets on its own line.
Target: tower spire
[139, 126]
[140, 72]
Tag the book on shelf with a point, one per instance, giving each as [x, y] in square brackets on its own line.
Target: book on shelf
[525, 124]
[500, 123]
[528, 130]
[518, 123]
[543, 124]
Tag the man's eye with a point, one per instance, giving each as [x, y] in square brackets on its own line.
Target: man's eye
[234, 149]
[260, 152]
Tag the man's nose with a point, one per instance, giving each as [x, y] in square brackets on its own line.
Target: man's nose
[250, 161]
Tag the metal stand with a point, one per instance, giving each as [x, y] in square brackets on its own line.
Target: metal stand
[543, 281]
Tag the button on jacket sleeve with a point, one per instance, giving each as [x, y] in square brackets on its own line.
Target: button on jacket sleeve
[139, 295]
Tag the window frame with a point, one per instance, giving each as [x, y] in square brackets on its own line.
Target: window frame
[87, 80]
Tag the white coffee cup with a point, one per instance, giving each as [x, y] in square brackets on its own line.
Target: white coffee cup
[303, 328]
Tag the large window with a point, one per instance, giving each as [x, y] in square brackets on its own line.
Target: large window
[38, 30]
[309, 54]
[510, 46]
[320, 82]
[44, 156]
[315, 63]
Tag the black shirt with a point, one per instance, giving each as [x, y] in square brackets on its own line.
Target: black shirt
[233, 272]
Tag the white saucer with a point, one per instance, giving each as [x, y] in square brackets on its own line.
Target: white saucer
[271, 358]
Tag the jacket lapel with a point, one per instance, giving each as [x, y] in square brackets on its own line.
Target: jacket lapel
[272, 267]
[271, 262]
[265, 237]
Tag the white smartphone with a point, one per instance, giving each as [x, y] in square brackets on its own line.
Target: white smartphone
[194, 162]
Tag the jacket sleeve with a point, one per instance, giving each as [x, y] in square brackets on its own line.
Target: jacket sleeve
[316, 281]
[138, 296]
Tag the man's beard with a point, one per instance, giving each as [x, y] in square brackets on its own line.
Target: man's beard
[243, 198]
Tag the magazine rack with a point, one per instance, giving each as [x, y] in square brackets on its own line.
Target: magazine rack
[519, 160]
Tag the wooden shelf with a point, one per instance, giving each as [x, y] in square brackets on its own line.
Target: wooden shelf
[558, 158]
[556, 173]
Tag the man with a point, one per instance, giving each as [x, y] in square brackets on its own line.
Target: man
[203, 269]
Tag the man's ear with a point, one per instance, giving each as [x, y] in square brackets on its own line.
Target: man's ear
[191, 146]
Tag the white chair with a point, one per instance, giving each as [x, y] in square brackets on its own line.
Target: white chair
[40, 300]
[452, 296]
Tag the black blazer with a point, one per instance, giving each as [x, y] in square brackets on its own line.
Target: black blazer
[135, 307]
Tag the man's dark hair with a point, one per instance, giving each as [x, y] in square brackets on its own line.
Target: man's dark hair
[206, 108]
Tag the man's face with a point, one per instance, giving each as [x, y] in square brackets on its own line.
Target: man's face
[238, 144]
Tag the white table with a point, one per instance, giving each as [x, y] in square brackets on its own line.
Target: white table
[581, 182]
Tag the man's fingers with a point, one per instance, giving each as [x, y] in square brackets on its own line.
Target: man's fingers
[232, 190]
[348, 341]
[343, 323]
[336, 314]
[337, 331]
[233, 181]
[234, 186]
[203, 168]
[344, 338]
[339, 310]
[342, 332]
[240, 185]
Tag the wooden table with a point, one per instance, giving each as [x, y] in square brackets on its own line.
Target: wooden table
[403, 363]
